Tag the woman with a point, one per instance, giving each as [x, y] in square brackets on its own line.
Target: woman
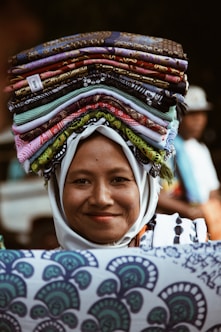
[101, 197]
[96, 114]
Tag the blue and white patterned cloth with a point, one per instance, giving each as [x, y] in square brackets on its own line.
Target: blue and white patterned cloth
[170, 288]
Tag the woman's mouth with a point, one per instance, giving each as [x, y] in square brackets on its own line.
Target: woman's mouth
[102, 217]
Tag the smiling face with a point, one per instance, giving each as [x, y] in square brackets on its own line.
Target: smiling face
[100, 197]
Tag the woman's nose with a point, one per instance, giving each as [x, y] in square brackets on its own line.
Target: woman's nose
[101, 195]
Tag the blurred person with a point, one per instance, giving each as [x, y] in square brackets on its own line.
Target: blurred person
[195, 189]
[19, 28]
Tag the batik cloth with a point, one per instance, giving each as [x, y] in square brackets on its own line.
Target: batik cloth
[173, 288]
[135, 83]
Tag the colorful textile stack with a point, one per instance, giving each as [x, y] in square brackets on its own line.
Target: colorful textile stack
[133, 83]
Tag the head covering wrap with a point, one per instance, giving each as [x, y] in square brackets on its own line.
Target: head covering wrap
[127, 86]
[148, 189]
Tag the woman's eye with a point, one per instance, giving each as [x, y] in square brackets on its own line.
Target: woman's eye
[80, 181]
[120, 179]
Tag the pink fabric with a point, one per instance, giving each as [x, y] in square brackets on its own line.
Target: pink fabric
[26, 150]
[180, 64]
[71, 66]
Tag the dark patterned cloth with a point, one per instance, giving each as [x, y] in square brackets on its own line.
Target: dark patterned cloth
[125, 40]
[154, 96]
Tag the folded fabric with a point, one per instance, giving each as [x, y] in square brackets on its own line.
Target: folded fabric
[124, 63]
[33, 128]
[133, 83]
[76, 95]
[25, 150]
[68, 59]
[125, 40]
[180, 86]
[145, 151]
[156, 97]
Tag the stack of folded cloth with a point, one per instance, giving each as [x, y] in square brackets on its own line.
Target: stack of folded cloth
[133, 83]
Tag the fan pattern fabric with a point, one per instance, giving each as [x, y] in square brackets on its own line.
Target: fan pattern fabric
[173, 288]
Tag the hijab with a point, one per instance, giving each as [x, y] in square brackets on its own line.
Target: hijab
[147, 185]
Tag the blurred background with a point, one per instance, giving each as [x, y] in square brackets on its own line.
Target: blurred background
[25, 23]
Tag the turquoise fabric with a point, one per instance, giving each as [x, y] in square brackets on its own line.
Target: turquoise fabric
[192, 192]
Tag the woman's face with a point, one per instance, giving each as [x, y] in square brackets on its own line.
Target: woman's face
[100, 197]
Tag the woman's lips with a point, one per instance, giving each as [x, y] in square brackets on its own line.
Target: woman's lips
[105, 217]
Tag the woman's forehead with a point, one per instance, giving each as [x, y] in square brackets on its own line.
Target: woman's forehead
[99, 145]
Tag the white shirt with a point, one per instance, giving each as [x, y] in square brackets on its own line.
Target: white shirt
[202, 166]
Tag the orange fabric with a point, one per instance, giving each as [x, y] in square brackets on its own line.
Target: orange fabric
[212, 212]
[135, 242]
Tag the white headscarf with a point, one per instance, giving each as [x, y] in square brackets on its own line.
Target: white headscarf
[147, 185]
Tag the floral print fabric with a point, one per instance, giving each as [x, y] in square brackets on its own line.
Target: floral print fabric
[173, 288]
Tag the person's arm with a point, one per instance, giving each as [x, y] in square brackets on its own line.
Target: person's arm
[215, 194]
[168, 204]
[212, 214]
[210, 211]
